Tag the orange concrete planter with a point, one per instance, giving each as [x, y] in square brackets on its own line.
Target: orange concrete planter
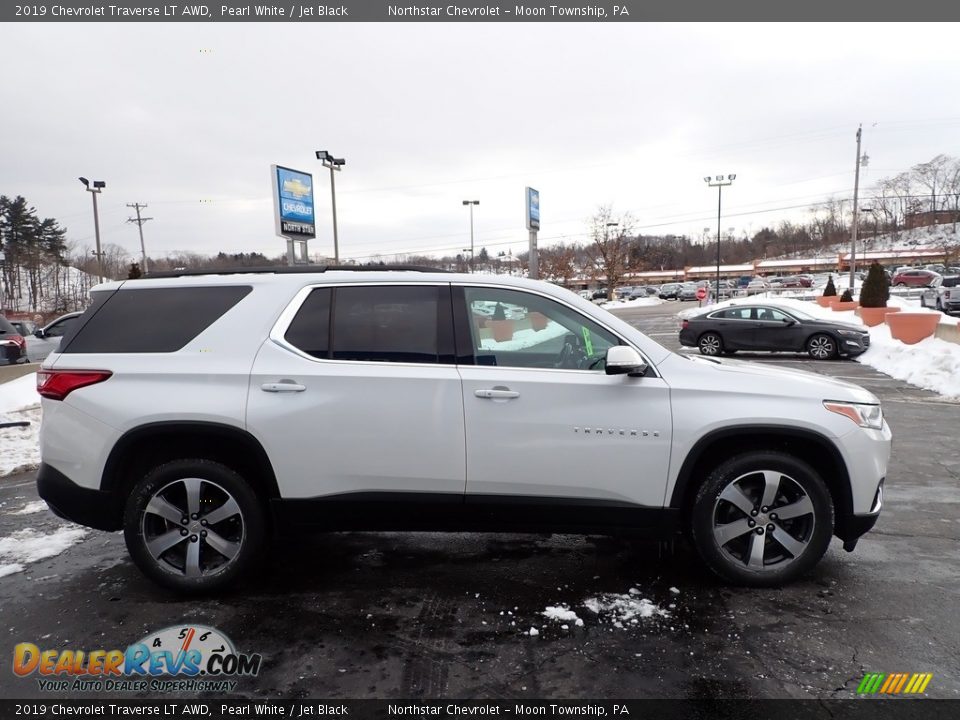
[502, 329]
[827, 300]
[874, 316]
[910, 328]
[538, 321]
[840, 306]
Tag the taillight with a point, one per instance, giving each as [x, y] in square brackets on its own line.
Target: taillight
[18, 339]
[685, 324]
[57, 384]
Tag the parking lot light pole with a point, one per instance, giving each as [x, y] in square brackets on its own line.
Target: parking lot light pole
[719, 182]
[471, 203]
[334, 164]
[98, 186]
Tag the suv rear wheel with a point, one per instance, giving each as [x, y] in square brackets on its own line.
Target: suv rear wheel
[193, 525]
[762, 519]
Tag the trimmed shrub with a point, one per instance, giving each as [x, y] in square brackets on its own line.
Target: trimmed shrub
[831, 289]
[847, 296]
[876, 288]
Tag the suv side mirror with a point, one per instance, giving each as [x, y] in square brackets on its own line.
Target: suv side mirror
[40, 334]
[623, 360]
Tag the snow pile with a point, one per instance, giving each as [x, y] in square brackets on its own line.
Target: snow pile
[623, 609]
[20, 446]
[19, 394]
[28, 546]
[561, 613]
[639, 302]
[932, 364]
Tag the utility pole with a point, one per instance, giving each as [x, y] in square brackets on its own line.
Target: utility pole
[140, 221]
[856, 218]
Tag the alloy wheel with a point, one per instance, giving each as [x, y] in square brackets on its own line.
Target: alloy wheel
[710, 344]
[763, 520]
[193, 527]
[821, 347]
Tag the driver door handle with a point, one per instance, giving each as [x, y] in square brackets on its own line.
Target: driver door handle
[283, 386]
[497, 394]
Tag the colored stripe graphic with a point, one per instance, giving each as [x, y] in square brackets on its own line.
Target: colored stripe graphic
[894, 683]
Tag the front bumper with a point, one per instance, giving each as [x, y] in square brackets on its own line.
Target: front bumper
[93, 508]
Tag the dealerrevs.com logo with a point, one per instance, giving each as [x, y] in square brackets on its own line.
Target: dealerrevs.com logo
[190, 658]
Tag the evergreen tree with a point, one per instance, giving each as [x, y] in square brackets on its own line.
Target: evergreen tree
[876, 288]
[830, 290]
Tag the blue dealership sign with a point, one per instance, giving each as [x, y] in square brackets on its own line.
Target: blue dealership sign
[533, 209]
[293, 203]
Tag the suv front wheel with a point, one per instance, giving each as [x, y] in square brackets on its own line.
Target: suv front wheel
[193, 525]
[762, 518]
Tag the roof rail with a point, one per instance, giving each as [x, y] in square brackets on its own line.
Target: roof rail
[292, 270]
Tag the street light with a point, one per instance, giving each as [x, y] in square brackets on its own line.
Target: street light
[471, 203]
[98, 186]
[329, 161]
[719, 182]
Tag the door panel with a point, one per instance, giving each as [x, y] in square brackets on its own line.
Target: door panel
[349, 426]
[542, 416]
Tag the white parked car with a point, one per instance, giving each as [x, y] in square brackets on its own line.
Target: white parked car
[252, 402]
[757, 286]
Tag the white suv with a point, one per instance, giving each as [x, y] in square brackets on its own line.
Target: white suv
[199, 413]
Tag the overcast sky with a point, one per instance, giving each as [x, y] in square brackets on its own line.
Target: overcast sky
[428, 115]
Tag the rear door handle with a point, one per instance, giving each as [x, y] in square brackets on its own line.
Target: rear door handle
[283, 386]
[497, 394]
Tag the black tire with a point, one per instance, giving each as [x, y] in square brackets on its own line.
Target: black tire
[240, 531]
[729, 352]
[710, 344]
[923, 301]
[809, 534]
[939, 305]
[822, 347]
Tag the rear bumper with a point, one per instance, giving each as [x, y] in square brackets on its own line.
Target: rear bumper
[93, 508]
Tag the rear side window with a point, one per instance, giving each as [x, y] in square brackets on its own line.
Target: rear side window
[951, 281]
[151, 320]
[408, 324]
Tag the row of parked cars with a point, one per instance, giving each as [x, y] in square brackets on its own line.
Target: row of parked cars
[22, 341]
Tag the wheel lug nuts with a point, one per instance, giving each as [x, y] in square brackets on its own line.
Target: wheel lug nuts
[203, 533]
[770, 527]
[754, 512]
[203, 522]
[750, 523]
[184, 532]
[773, 516]
[193, 538]
[194, 516]
[759, 531]
[764, 509]
[184, 521]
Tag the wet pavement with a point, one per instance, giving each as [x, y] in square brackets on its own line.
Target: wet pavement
[390, 615]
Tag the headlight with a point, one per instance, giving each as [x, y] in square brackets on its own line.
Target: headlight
[850, 333]
[867, 416]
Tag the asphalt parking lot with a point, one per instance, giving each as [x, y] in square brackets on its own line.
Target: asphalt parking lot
[449, 615]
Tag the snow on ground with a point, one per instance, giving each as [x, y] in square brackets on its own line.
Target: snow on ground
[623, 609]
[561, 613]
[23, 547]
[31, 508]
[20, 446]
[932, 364]
[623, 304]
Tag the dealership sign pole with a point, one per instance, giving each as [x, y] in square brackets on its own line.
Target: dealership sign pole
[533, 225]
[293, 210]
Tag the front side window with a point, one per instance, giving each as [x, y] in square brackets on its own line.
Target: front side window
[510, 328]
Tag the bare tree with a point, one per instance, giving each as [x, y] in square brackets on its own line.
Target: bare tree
[609, 250]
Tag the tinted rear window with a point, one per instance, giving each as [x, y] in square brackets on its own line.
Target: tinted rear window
[152, 320]
[951, 281]
[6, 327]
